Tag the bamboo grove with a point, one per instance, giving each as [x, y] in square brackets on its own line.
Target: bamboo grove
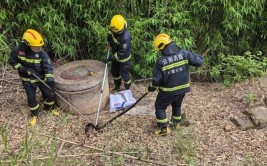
[78, 29]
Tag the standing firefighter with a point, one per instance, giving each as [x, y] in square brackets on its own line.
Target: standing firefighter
[119, 40]
[171, 75]
[30, 59]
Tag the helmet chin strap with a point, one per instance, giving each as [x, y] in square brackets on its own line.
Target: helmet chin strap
[125, 26]
[36, 50]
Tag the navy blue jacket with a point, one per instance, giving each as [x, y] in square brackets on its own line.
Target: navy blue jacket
[121, 45]
[171, 72]
[39, 62]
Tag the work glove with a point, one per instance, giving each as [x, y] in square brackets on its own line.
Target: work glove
[51, 84]
[49, 79]
[109, 46]
[51, 88]
[23, 46]
[151, 88]
[26, 70]
[110, 58]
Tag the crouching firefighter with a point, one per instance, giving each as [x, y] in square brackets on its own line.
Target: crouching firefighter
[119, 40]
[31, 60]
[171, 76]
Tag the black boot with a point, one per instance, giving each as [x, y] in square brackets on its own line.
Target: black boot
[175, 122]
[127, 86]
[117, 84]
[116, 88]
[162, 129]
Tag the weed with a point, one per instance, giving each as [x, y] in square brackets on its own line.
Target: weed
[250, 98]
[65, 119]
[185, 144]
[52, 152]
[4, 136]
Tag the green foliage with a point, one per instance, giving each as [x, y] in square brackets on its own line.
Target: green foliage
[4, 51]
[185, 143]
[250, 98]
[235, 68]
[4, 136]
[65, 119]
[78, 29]
[52, 152]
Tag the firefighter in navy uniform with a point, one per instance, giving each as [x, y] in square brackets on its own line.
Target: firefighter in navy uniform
[29, 58]
[119, 40]
[171, 76]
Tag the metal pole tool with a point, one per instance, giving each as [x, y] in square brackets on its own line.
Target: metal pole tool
[101, 92]
[59, 96]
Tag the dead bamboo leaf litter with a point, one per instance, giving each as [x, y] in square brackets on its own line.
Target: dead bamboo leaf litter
[209, 109]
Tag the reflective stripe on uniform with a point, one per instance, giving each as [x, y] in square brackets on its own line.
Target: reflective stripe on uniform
[29, 80]
[173, 65]
[114, 39]
[49, 75]
[49, 103]
[175, 88]
[35, 107]
[128, 82]
[29, 60]
[17, 66]
[176, 117]
[122, 60]
[117, 78]
[162, 120]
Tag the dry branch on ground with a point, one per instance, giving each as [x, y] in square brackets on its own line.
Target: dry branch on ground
[209, 108]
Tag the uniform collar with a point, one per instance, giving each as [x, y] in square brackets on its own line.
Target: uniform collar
[170, 49]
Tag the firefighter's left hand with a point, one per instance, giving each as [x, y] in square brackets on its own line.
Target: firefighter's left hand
[23, 46]
[30, 72]
[51, 84]
[110, 58]
[151, 88]
[109, 46]
[26, 70]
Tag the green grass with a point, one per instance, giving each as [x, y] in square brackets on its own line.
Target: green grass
[250, 98]
[185, 145]
[4, 136]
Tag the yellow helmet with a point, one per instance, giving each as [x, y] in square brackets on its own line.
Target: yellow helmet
[161, 41]
[33, 38]
[117, 23]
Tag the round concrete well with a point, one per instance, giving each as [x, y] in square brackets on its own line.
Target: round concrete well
[80, 83]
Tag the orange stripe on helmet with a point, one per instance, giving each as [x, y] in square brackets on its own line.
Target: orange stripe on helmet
[33, 35]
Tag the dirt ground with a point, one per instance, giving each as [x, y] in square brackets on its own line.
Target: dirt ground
[129, 140]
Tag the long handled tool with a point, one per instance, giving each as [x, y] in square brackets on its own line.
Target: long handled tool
[97, 127]
[101, 92]
[59, 96]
